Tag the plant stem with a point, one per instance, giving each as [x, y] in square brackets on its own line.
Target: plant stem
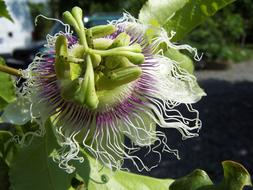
[10, 70]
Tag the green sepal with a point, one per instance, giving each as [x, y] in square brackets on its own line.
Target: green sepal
[193, 181]
[102, 30]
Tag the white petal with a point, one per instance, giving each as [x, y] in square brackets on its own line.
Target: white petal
[140, 128]
[174, 83]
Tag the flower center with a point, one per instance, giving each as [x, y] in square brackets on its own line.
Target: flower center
[98, 69]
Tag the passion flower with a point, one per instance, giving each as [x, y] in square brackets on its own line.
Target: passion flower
[107, 83]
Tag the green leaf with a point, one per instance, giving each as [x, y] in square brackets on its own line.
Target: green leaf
[159, 12]
[32, 168]
[7, 91]
[102, 178]
[236, 177]
[180, 16]
[3, 11]
[198, 178]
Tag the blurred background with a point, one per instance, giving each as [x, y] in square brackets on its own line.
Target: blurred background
[225, 72]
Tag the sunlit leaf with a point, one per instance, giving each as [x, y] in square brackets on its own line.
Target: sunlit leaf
[236, 177]
[180, 16]
[3, 11]
[102, 178]
[32, 168]
[7, 89]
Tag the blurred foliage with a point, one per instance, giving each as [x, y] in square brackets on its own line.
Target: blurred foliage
[55, 8]
[3, 11]
[43, 26]
[95, 6]
[227, 35]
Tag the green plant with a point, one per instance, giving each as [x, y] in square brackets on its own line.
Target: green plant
[85, 93]
[222, 37]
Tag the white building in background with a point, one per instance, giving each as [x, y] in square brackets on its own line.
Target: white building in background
[17, 34]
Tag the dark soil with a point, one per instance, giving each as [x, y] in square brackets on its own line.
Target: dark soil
[227, 129]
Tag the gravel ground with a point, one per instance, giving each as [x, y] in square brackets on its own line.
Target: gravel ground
[227, 132]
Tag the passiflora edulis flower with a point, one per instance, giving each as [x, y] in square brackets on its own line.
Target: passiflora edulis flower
[110, 82]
